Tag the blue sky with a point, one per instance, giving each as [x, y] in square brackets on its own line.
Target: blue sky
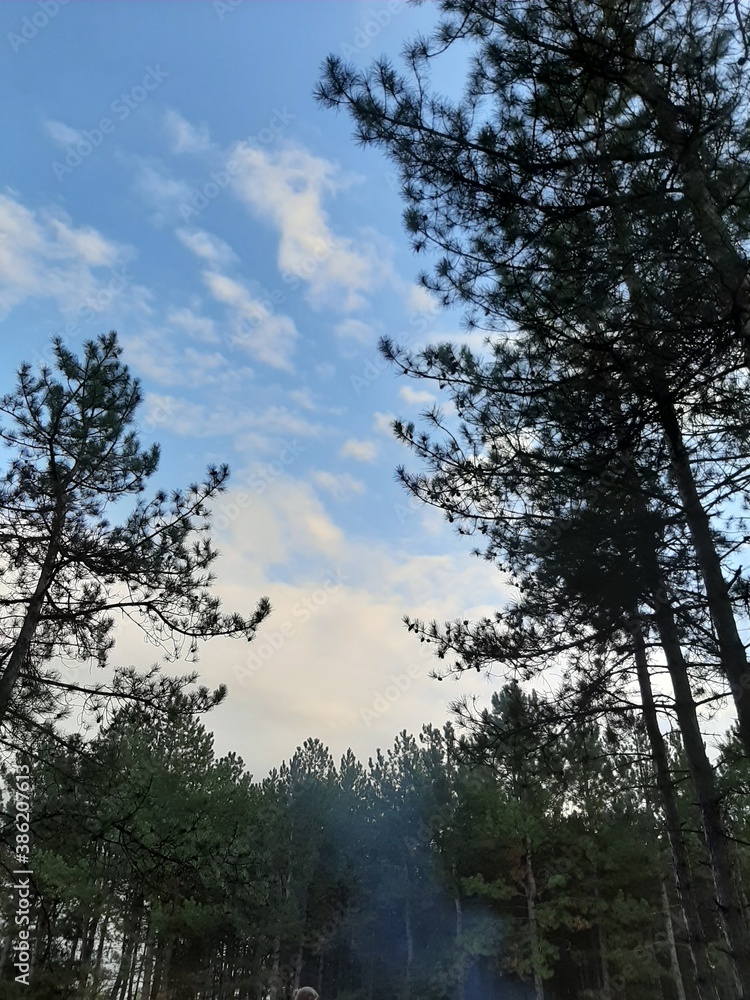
[166, 173]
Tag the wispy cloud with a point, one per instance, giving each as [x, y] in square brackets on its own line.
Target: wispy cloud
[415, 397]
[266, 336]
[383, 423]
[200, 328]
[269, 337]
[42, 255]
[361, 451]
[159, 188]
[207, 246]
[355, 330]
[185, 137]
[340, 486]
[62, 134]
[287, 187]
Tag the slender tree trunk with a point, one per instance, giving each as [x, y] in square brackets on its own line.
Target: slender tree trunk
[684, 147]
[531, 896]
[159, 951]
[148, 963]
[87, 950]
[22, 645]
[731, 648]
[606, 989]
[131, 923]
[461, 990]
[704, 980]
[297, 963]
[99, 956]
[673, 956]
[165, 964]
[728, 901]
[4, 954]
[276, 969]
[77, 935]
[409, 935]
[134, 972]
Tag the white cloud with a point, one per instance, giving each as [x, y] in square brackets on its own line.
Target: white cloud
[86, 243]
[42, 255]
[159, 188]
[62, 134]
[339, 604]
[362, 451]
[178, 416]
[287, 187]
[207, 246]
[199, 328]
[419, 299]
[416, 397]
[341, 486]
[355, 329]
[184, 137]
[268, 430]
[303, 398]
[266, 336]
[383, 422]
[152, 353]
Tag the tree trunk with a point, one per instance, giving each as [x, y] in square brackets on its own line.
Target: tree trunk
[131, 923]
[99, 956]
[22, 645]
[276, 969]
[87, 950]
[728, 901]
[409, 935]
[148, 964]
[164, 962]
[731, 648]
[684, 147]
[606, 988]
[297, 964]
[531, 894]
[673, 956]
[4, 952]
[704, 980]
[134, 973]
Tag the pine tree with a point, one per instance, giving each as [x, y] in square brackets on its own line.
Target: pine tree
[66, 570]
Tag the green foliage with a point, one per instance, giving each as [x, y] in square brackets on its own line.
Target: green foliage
[67, 570]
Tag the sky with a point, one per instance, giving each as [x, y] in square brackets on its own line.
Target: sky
[167, 173]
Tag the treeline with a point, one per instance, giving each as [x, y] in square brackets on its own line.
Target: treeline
[514, 861]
